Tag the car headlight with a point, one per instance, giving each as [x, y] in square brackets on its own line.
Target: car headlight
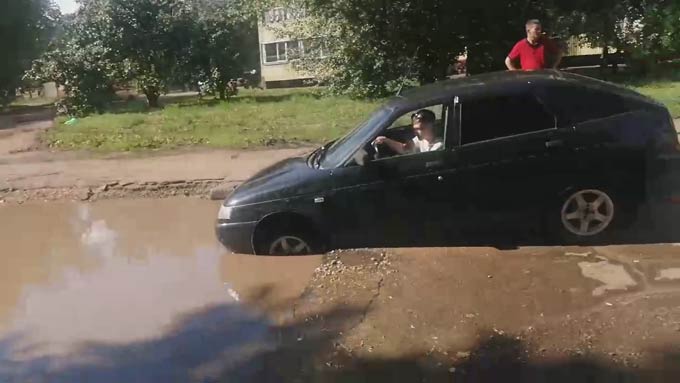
[225, 212]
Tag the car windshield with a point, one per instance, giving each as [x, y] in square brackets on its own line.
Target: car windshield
[351, 141]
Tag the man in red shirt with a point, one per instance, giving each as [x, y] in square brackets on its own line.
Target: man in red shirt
[535, 52]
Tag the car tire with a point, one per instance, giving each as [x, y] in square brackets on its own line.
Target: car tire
[286, 241]
[587, 215]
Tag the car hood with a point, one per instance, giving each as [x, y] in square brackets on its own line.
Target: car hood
[286, 179]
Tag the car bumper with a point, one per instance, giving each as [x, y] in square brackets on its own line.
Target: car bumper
[236, 237]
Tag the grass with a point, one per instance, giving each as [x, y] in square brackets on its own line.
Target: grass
[668, 92]
[663, 85]
[254, 119]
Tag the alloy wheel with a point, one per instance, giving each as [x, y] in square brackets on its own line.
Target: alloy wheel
[587, 212]
[289, 245]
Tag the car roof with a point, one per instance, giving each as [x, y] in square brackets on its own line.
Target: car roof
[505, 80]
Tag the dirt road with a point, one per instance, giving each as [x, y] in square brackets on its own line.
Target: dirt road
[139, 290]
[30, 172]
[56, 176]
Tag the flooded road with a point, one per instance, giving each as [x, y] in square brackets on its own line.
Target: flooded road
[140, 291]
[140, 286]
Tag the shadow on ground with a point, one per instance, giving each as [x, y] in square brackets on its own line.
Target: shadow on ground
[224, 344]
[500, 358]
[137, 104]
[227, 343]
[19, 114]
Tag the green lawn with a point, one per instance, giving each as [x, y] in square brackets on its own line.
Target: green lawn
[255, 118]
[668, 92]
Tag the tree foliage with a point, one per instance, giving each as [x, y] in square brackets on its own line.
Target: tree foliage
[154, 36]
[81, 60]
[655, 33]
[359, 47]
[224, 43]
[375, 42]
[373, 45]
[25, 27]
[152, 43]
[378, 44]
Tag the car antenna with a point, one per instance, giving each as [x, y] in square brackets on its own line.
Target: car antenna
[408, 73]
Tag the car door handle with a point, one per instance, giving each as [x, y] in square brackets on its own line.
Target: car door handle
[433, 164]
[553, 143]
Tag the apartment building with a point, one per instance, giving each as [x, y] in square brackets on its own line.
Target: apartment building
[277, 53]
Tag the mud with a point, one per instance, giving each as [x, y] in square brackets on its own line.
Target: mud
[60, 176]
[201, 188]
[139, 291]
[533, 314]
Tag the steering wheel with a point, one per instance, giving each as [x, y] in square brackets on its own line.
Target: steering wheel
[379, 150]
[376, 150]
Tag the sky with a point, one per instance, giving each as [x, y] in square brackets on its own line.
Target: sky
[67, 6]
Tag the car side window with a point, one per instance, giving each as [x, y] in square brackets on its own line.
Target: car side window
[401, 130]
[574, 105]
[405, 119]
[502, 116]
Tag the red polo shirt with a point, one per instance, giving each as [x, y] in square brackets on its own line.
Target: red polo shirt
[533, 57]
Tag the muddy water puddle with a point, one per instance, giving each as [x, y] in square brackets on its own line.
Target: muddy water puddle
[133, 290]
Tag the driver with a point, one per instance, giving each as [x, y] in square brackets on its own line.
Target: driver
[425, 139]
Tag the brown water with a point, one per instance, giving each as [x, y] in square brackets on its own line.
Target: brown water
[134, 291]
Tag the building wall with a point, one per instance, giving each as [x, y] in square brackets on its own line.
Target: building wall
[276, 71]
[50, 90]
[576, 47]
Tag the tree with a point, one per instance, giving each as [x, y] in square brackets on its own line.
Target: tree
[654, 33]
[377, 45]
[80, 60]
[152, 42]
[25, 27]
[224, 43]
[154, 36]
[373, 46]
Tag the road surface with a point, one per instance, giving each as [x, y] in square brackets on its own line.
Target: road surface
[140, 291]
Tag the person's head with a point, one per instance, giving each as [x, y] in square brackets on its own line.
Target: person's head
[534, 29]
[423, 123]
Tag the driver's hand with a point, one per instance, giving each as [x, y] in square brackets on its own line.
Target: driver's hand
[380, 140]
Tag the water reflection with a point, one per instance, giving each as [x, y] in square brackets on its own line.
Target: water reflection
[131, 292]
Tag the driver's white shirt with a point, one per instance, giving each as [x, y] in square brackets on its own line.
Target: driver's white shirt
[421, 146]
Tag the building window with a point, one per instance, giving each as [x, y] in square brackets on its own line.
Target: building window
[284, 51]
[294, 50]
[316, 47]
[274, 52]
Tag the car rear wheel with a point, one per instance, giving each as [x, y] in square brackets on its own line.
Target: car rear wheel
[586, 214]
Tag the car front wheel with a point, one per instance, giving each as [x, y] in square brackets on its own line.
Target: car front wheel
[286, 241]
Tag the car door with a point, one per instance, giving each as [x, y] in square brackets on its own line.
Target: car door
[390, 201]
[508, 145]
